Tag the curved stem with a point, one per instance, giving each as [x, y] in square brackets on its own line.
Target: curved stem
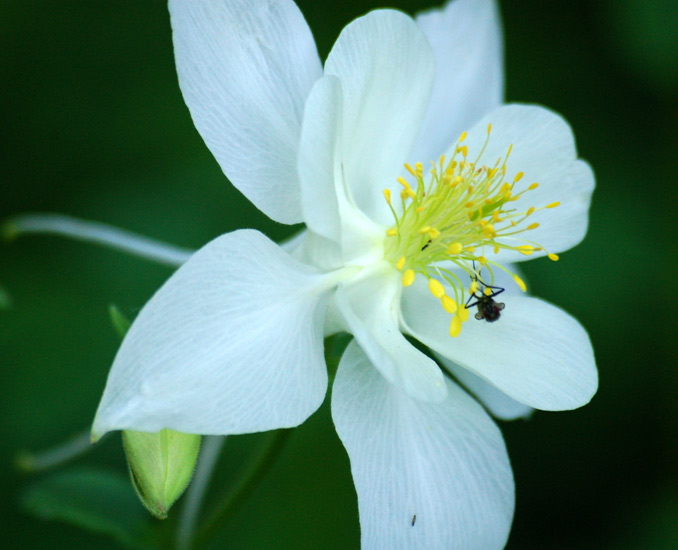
[98, 233]
[56, 456]
[195, 495]
[244, 488]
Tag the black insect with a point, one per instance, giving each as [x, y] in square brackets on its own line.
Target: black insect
[414, 518]
[488, 309]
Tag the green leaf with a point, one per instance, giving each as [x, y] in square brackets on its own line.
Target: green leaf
[95, 500]
[5, 299]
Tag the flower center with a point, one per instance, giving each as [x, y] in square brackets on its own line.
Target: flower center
[458, 217]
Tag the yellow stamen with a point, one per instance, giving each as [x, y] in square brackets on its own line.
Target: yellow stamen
[520, 283]
[401, 263]
[554, 257]
[454, 248]
[449, 304]
[387, 195]
[532, 226]
[436, 288]
[533, 186]
[553, 204]
[408, 277]
[455, 326]
[391, 232]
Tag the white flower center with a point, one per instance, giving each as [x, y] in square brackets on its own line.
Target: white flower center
[459, 215]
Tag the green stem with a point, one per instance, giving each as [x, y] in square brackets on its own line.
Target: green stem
[209, 454]
[97, 233]
[57, 456]
[244, 488]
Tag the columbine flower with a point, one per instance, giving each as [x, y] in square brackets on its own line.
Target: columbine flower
[417, 190]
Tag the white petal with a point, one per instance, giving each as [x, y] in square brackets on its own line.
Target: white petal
[466, 38]
[386, 69]
[232, 343]
[544, 150]
[327, 203]
[444, 463]
[535, 353]
[319, 158]
[371, 313]
[245, 69]
[497, 402]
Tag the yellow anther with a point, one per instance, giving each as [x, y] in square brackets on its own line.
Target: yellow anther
[436, 288]
[470, 190]
[403, 194]
[470, 249]
[530, 211]
[391, 232]
[418, 168]
[491, 173]
[525, 249]
[408, 277]
[487, 292]
[496, 249]
[442, 161]
[554, 257]
[464, 150]
[457, 180]
[489, 128]
[532, 226]
[420, 208]
[482, 260]
[401, 263]
[410, 193]
[553, 204]
[473, 288]
[463, 314]
[402, 181]
[462, 137]
[520, 283]
[505, 187]
[425, 229]
[409, 169]
[455, 326]
[469, 204]
[434, 233]
[387, 195]
[449, 304]
[518, 177]
[533, 186]
[454, 248]
[489, 231]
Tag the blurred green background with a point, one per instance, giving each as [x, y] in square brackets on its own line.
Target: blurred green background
[93, 125]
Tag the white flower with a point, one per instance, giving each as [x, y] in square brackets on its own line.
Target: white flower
[233, 342]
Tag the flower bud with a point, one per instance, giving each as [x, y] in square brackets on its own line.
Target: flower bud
[161, 465]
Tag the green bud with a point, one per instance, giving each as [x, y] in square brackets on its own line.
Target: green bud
[161, 465]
